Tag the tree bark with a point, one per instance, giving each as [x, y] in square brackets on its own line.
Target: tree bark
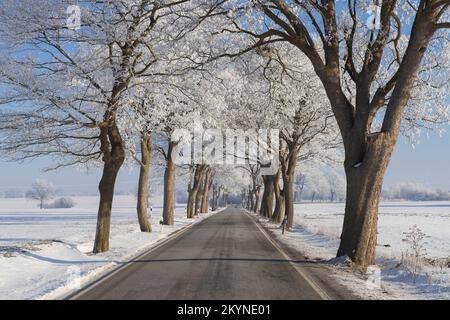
[189, 192]
[206, 190]
[112, 147]
[364, 184]
[278, 213]
[216, 192]
[169, 185]
[257, 204]
[251, 200]
[288, 195]
[142, 197]
[199, 197]
[192, 191]
[288, 173]
[267, 198]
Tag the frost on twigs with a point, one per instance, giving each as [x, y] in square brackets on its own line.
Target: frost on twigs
[414, 257]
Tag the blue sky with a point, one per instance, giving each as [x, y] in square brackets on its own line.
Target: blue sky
[427, 163]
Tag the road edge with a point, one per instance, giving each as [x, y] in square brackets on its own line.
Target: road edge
[332, 289]
[321, 292]
[103, 276]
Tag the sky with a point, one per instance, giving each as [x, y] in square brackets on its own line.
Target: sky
[428, 163]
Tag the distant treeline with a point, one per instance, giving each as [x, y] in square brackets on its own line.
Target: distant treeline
[415, 192]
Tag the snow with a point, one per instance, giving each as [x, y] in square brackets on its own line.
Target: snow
[45, 254]
[317, 230]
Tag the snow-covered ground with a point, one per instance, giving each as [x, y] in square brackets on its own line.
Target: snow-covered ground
[47, 253]
[317, 231]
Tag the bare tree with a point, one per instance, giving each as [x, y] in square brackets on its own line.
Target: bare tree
[41, 190]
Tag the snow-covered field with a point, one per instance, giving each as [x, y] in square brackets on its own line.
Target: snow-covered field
[47, 253]
[317, 231]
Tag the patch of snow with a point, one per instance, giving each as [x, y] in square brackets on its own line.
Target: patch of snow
[316, 235]
[45, 254]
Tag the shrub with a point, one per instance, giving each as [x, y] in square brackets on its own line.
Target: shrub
[61, 203]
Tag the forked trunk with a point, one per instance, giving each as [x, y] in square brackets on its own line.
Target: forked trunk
[113, 157]
[142, 197]
[364, 183]
[169, 186]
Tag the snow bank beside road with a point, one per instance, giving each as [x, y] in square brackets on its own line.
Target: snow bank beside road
[45, 254]
[317, 232]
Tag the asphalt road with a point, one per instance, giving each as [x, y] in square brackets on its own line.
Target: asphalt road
[223, 257]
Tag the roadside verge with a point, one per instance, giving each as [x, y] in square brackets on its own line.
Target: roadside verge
[103, 272]
[317, 274]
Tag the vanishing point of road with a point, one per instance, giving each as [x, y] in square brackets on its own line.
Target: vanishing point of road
[226, 256]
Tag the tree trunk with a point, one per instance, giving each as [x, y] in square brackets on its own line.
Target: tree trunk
[169, 185]
[267, 198]
[278, 213]
[215, 204]
[257, 202]
[142, 197]
[112, 148]
[251, 200]
[224, 199]
[219, 195]
[41, 204]
[288, 173]
[288, 192]
[364, 184]
[191, 203]
[189, 192]
[205, 192]
[198, 197]
[192, 191]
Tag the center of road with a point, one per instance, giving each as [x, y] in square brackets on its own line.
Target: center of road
[226, 256]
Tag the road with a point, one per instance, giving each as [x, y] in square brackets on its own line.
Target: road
[226, 256]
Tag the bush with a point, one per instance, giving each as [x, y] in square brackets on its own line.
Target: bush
[61, 203]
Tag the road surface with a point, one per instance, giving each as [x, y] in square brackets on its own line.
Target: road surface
[226, 256]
